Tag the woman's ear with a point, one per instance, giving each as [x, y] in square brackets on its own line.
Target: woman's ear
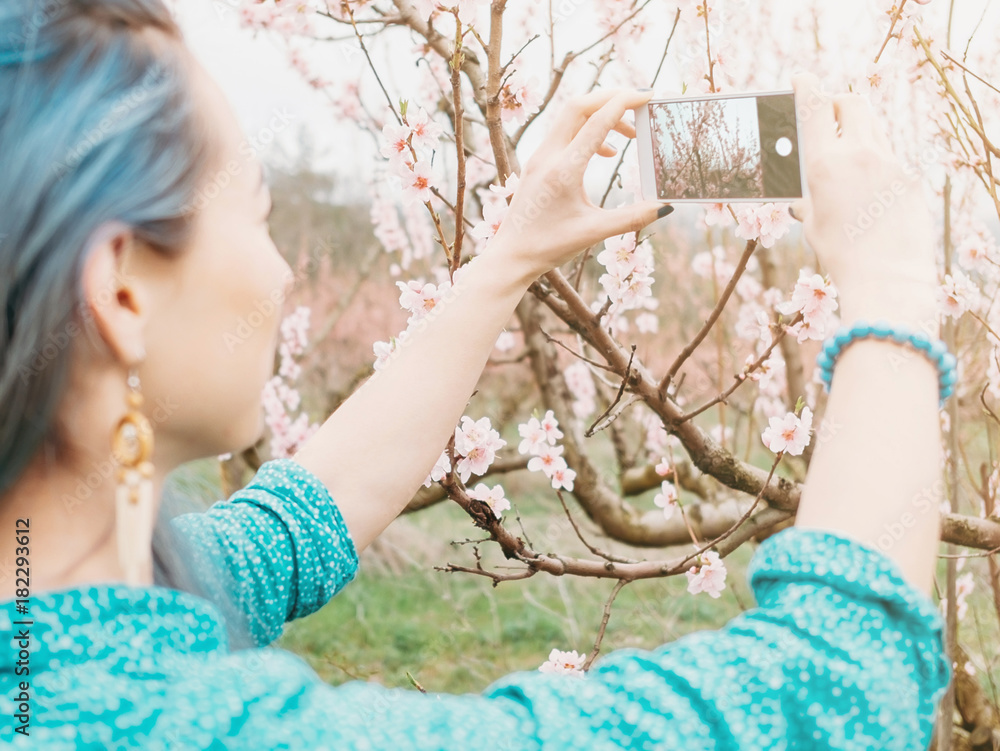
[112, 298]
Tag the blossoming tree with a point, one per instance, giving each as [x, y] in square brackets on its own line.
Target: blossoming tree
[448, 145]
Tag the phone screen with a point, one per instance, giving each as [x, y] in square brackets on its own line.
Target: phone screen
[725, 148]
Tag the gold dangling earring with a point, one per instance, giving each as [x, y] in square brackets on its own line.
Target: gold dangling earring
[132, 448]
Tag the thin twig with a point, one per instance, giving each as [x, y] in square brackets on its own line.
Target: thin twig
[371, 64]
[734, 527]
[592, 548]
[604, 623]
[456, 92]
[741, 378]
[723, 299]
[621, 390]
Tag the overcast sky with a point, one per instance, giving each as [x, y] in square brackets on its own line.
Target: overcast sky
[259, 81]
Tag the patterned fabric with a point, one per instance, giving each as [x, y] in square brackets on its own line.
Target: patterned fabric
[840, 653]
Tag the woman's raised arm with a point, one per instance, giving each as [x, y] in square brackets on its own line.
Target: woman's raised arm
[378, 447]
[875, 472]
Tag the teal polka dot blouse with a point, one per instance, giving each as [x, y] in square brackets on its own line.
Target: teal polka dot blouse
[839, 653]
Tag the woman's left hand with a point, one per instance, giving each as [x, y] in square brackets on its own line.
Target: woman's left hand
[551, 219]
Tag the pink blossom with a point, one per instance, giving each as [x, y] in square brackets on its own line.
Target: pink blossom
[418, 179]
[293, 330]
[579, 380]
[810, 329]
[419, 229]
[507, 189]
[747, 286]
[492, 496]
[441, 467]
[666, 498]
[519, 98]
[788, 434]
[717, 215]
[567, 663]
[813, 295]
[774, 222]
[876, 79]
[663, 468]
[748, 226]
[580, 383]
[551, 427]
[766, 223]
[493, 214]
[385, 220]
[418, 298]
[767, 371]
[547, 459]
[704, 260]
[383, 350]
[394, 142]
[707, 575]
[562, 477]
[618, 253]
[426, 131]
[628, 282]
[278, 397]
[535, 437]
[647, 323]
[957, 294]
[477, 443]
[289, 369]
[626, 292]
[963, 588]
[505, 341]
[977, 252]
[753, 324]
[286, 435]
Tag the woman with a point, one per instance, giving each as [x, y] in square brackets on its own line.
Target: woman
[110, 133]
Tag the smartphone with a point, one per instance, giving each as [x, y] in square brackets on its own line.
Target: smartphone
[719, 148]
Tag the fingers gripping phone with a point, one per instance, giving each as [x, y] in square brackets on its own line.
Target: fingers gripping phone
[719, 148]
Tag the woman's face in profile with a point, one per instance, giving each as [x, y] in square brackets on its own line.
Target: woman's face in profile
[213, 325]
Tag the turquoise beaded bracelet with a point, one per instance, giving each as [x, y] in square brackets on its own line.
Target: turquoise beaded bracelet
[936, 350]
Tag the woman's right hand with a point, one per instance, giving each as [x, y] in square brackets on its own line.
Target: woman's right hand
[865, 216]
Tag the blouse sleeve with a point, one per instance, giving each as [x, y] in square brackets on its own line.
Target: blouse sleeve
[839, 653]
[279, 547]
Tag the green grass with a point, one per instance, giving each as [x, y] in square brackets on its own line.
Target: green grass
[454, 632]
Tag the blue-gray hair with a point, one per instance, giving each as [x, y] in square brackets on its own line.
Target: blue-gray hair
[98, 125]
